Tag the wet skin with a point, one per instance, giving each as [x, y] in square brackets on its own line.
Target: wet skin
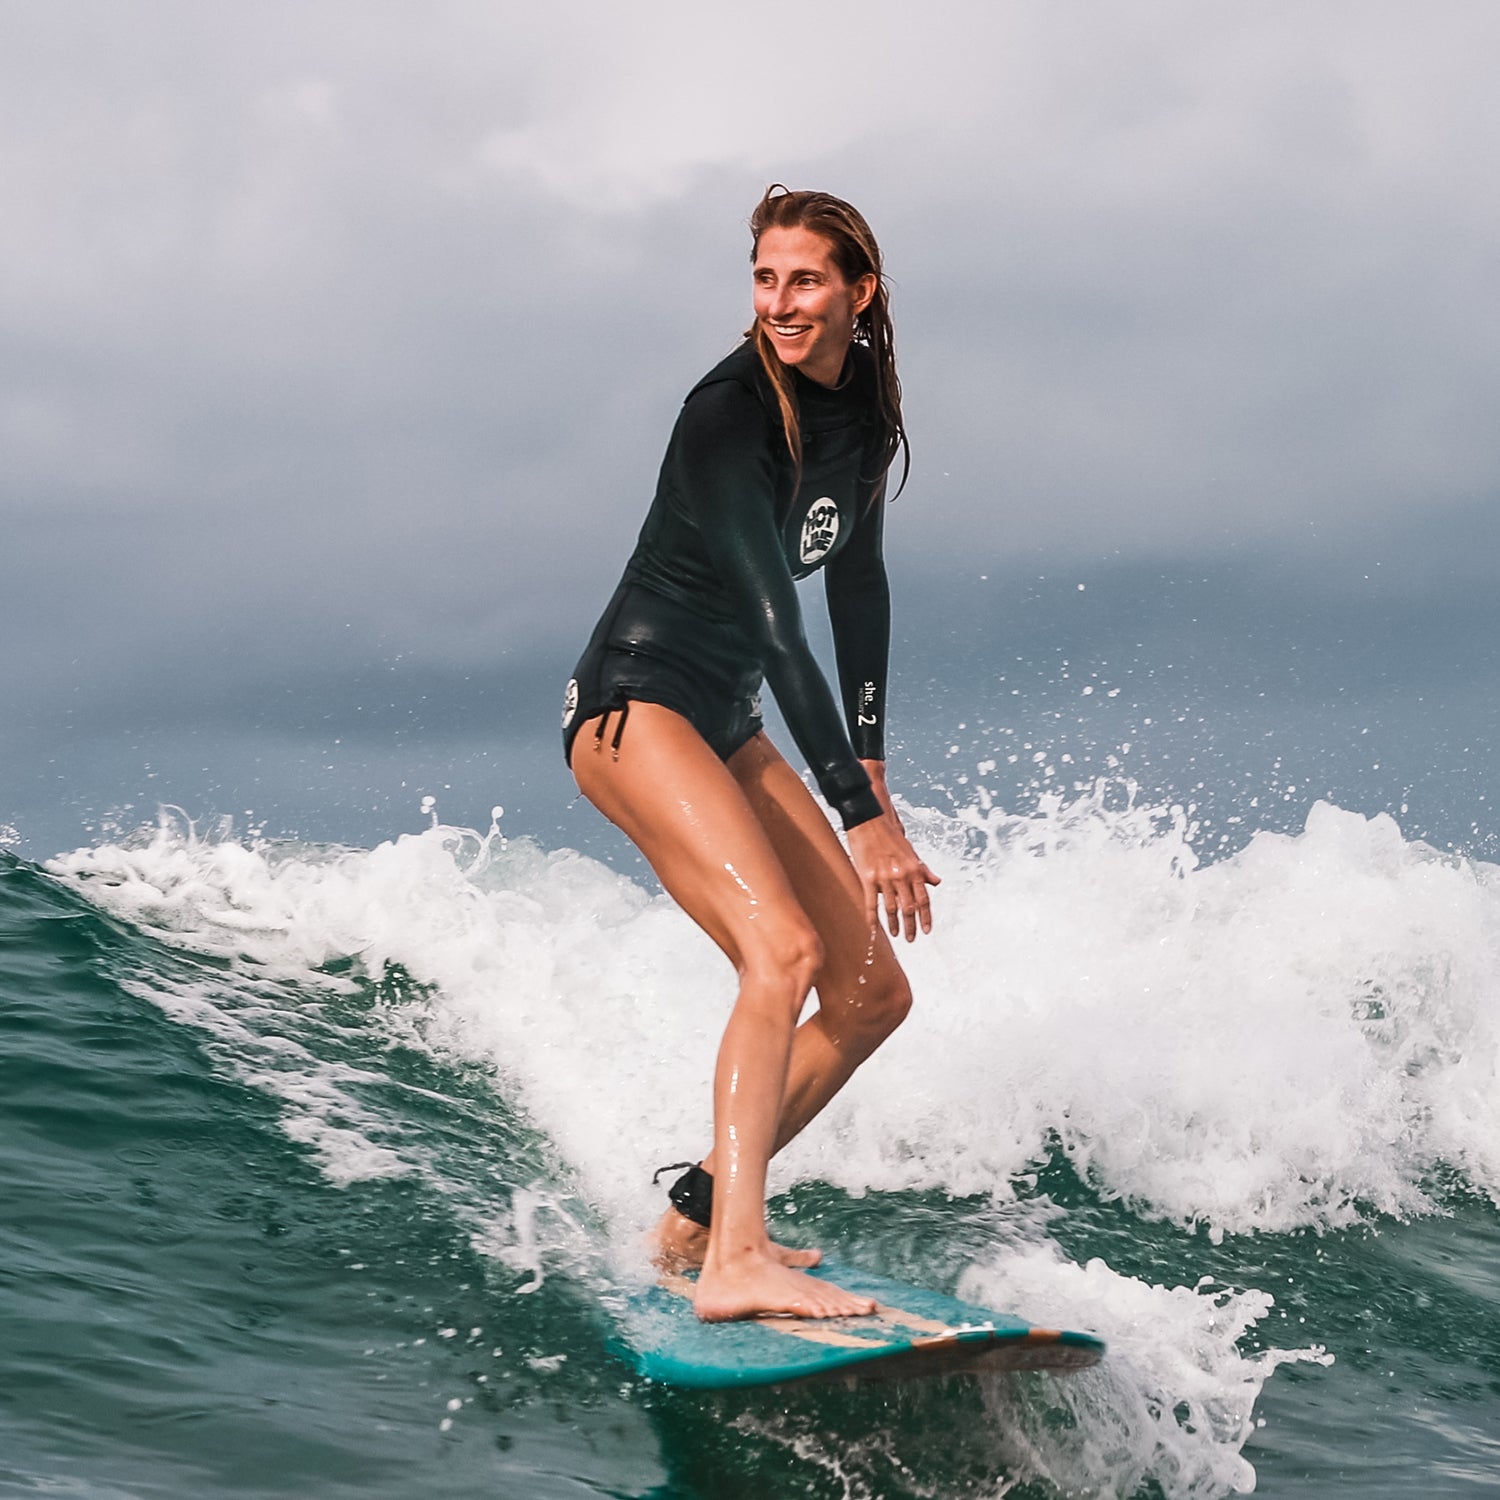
[749, 855]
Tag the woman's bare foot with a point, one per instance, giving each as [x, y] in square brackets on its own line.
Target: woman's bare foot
[678, 1244]
[756, 1285]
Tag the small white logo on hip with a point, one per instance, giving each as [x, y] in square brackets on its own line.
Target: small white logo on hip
[570, 701]
[820, 530]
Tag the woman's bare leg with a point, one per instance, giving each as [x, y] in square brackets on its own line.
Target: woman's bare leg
[862, 993]
[692, 820]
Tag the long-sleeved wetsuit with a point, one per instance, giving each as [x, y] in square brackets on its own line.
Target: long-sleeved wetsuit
[707, 606]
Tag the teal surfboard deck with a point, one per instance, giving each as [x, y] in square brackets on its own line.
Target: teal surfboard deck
[915, 1332]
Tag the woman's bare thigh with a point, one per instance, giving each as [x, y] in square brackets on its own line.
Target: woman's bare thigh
[680, 806]
[818, 870]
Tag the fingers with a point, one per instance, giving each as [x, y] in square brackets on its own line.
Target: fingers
[921, 914]
[918, 911]
[893, 910]
[907, 906]
[892, 877]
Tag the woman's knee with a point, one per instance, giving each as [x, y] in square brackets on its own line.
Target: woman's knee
[897, 1000]
[785, 958]
[891, 1002]
[864, 1016]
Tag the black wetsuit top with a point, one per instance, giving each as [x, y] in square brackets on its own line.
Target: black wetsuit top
[711, 581]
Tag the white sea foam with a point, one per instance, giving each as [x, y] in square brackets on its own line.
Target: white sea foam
[1287, 1038]
[1293, 1037]
[1173, 1403]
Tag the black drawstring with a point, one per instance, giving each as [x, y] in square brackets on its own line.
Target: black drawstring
[623, 709]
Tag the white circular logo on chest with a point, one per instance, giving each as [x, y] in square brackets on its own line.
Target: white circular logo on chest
[820, 530]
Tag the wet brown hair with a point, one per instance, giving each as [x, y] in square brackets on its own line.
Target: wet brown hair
[856, 254]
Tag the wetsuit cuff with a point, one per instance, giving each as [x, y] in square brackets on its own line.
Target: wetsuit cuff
[851, 796]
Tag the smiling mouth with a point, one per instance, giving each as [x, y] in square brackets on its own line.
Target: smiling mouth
[790, 330]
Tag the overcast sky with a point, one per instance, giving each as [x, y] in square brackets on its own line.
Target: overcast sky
[342, 334]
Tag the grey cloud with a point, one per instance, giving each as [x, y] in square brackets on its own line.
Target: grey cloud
[349, 337]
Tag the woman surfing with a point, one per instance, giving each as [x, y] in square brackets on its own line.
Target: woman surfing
[776, 468]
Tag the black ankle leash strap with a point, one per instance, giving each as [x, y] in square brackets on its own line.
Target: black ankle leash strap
[692, 1195]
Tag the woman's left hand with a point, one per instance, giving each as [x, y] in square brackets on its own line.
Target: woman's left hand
[890, 870]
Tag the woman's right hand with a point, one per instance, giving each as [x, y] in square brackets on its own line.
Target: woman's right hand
[892, 874]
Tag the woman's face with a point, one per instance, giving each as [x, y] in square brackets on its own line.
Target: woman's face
[804, 304]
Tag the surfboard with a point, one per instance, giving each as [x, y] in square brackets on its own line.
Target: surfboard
[914, 1332]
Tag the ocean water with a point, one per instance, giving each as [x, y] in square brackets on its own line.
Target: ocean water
[321, 1163]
